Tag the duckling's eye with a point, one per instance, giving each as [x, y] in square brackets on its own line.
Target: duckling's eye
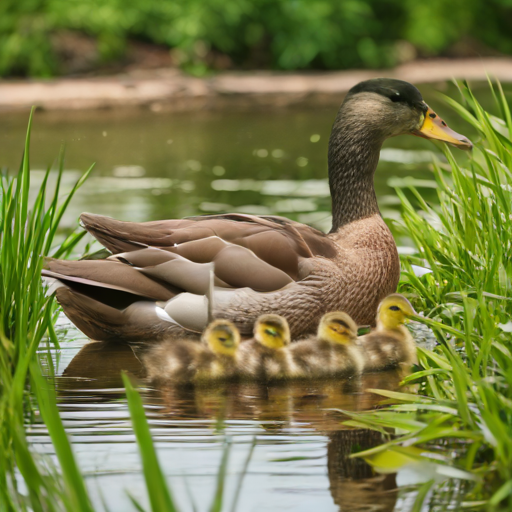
[271, 332]
[394, 308]
[396, 97]
[221, 338]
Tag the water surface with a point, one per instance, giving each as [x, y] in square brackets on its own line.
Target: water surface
[151, 165]
[300, 460]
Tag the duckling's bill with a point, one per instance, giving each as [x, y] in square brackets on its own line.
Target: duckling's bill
[434, 127]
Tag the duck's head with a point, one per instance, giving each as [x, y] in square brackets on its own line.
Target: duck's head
[337, 327]
[222, 337]
[389, 107]
[393, 311]
[272, 331]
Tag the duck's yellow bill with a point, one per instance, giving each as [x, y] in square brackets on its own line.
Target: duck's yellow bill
[435, 128]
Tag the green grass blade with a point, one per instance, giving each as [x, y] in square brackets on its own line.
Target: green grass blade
[221, 479]
[241, 477]
[159, 493]
[75, 485]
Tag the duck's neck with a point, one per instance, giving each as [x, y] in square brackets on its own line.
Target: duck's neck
[353, 157]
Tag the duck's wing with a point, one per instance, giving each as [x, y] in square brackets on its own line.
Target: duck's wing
[171, 262]
[276, 241]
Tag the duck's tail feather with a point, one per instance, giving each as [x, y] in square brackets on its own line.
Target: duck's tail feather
[99, 321]
[120, 236]
[110, 276]
[94, 318]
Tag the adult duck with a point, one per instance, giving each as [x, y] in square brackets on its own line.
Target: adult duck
[157, 281]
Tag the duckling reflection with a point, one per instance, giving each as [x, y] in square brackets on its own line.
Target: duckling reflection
[317, 402]
[267, 356]
[332, 352]
[271, 405]
[390, 345]
[184, 361]
[310, 404]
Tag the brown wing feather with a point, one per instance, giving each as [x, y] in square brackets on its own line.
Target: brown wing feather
[240, 268]
[200, 251]
[147, 257]
[109, 274]
[275, 240]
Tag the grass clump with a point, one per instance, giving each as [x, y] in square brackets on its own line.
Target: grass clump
[465, 384]
[27, 235]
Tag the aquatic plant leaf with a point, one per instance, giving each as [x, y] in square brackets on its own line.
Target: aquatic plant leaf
[423, 492]
[158, 490]
[75, 485]
[221, 478]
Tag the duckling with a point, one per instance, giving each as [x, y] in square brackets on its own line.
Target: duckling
[390, 345]
[267, 355]
[185, 361]
[332, 352]
[223, 339]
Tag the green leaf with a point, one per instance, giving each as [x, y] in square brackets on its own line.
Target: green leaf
[423, 492]
[158, 490]
[75, 486]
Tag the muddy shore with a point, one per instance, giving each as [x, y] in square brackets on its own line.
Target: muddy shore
[171, 90]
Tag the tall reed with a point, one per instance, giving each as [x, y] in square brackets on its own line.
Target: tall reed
[27, 236]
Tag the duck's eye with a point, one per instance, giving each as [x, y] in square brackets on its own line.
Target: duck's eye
[271, 332]
[396, 97]
[221, 338]
[394, 308]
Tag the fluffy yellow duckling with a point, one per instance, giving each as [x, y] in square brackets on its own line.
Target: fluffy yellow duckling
[332, 352]
[390, 345]
[223, 339]
[267, 355]
[186, 361]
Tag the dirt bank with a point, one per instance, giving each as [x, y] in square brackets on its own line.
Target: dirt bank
[168, 89]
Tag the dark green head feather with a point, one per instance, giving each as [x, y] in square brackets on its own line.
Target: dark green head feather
[395, 90]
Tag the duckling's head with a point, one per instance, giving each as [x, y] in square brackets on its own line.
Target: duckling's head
[393, 311]
[337, 327]
[272, 331]
[389, 107]
[222, 337]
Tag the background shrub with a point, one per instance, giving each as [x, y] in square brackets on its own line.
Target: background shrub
[273, 34]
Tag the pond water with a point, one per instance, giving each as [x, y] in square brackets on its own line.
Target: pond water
[152, 165]
[155, 165]
[301, 454]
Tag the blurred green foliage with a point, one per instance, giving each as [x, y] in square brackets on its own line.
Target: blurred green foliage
[275, 34]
